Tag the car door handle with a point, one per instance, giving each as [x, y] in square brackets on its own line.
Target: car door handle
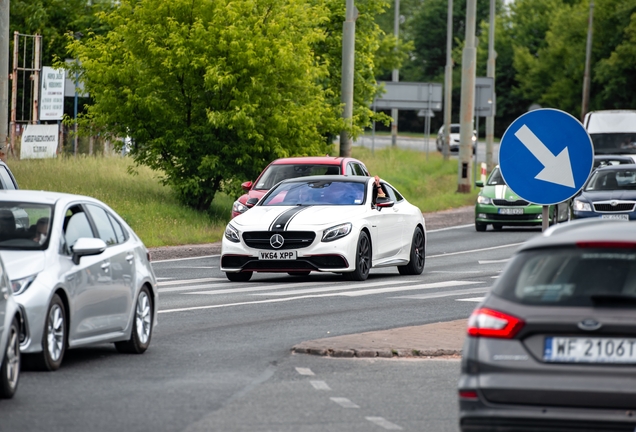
[105, 266]
[129, 258]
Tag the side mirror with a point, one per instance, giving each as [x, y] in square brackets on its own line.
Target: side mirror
[384, 202]
[479, 183]
[251, 202]
[87, 246]
[246, 185]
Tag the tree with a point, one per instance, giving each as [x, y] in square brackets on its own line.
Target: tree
[209, 91]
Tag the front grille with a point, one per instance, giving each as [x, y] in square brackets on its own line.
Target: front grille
[504, 217]
[293, 239]
[619, 207]
[315, 262]
[503, 202]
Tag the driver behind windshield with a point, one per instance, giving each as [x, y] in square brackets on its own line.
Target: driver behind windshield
[41, 230]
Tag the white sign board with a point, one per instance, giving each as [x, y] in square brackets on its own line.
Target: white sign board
[410, 96]
[69, 86]
[39, 142]
[52, 91]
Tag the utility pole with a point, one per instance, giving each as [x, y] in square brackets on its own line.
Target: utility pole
[36, 79]
[467, 109]
[348, 57]
[396, 74]
[490, 120]
[4, 77]
[448, 81]
[588, 58]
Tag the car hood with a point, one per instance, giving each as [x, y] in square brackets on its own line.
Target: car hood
[262, 218]
[20, 264]
[623, 195]
[500, 192]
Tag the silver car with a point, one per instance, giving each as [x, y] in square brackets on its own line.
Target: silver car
[10, 320]
[553, 346]
[79, 274]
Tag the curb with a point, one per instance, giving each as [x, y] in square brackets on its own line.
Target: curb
[383, 353]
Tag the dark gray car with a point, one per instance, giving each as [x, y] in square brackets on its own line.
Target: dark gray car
[553, 346]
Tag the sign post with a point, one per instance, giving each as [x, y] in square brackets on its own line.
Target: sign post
[545, 157]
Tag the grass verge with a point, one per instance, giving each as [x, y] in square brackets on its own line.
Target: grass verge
[150, 208]
[156, 215]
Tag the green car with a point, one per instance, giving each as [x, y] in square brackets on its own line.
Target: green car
[498, 205]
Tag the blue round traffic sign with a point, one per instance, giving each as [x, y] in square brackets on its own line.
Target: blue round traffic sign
[545, 156]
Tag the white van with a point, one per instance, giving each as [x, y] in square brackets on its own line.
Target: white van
[612, 131]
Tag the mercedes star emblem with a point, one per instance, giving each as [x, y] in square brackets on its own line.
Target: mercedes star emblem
[276, 241]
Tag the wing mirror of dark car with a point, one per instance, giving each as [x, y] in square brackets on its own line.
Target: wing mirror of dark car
[479, 184]
[381, 203]
[251, 202]
[246, 185]
[86, 246]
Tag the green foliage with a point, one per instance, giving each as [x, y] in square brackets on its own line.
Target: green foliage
[209, 91]
[151, 209]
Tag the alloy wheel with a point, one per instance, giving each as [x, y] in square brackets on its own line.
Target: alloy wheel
[55, 332]
[142, 317]
[418, 246]
[364, 255]
[13, 358]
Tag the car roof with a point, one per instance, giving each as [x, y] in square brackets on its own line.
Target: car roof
[354, 179]
[41, 197]
[318, 160]
[583, 230]
[621, 167]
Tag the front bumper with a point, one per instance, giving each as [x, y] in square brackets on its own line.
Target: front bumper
[489, 214]
[335, 256]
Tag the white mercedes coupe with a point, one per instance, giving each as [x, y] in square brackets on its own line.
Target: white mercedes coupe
[328, 224]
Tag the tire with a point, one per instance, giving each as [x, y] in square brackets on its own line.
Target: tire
[363, 260]
[10, 369]
[239, 277]
[497, 227]
[481, 227]
[54, 340]
[417, 256]
[298, 273]
[142, 325]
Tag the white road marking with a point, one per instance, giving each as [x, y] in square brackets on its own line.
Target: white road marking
[382, 422]
[278, 300]
[455, 271]
[444, 294]
[338, 287]
[252, 289]
[209, 267]
[494, 277]
[304, 371]
[409, 288]
[344, 402]
[450, 228]
[320, 385]
[184, 259]
[472, 299]
[189, 281]
[494, 261]
[475, 250]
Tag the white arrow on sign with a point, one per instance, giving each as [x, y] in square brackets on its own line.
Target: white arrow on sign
[556, 169]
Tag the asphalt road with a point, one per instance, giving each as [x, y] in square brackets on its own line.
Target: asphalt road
[220, 358]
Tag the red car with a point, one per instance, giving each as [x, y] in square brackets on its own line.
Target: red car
[282, 169]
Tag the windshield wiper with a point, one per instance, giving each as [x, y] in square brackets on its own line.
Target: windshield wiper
[613, 299]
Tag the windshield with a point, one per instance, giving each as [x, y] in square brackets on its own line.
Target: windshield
[606, 180]
[495, 178]
[454, 129]
[277, 173]
[317, 193]
[569, 277]
[614, 143]
[24, 226]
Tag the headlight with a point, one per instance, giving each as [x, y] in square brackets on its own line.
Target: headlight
[483, 200]
[232, 234]
[20, 285]
[582, 205]
[336, 232]
[474, 138]
[238, 207]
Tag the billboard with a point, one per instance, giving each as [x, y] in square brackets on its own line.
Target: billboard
[52, 94]
[39, 142]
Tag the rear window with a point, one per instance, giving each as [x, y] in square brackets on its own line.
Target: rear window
[277, 173]
[571, 277]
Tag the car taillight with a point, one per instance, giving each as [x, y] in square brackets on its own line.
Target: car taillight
[468, 394]
[607, 244]
[486, 322]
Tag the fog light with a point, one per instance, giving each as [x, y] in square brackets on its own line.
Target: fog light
[482, 215]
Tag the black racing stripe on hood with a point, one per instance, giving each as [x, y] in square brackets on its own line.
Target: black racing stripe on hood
[281, 222]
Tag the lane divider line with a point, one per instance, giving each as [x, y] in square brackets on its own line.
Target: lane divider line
[344, 402]
[475, 250]
[184, 259]
[320, 385]
[187, 281]
[305, 371]
[450, 228]
[382, 422]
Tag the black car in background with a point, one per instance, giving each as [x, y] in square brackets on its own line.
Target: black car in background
[553, 346]
[609, 193]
